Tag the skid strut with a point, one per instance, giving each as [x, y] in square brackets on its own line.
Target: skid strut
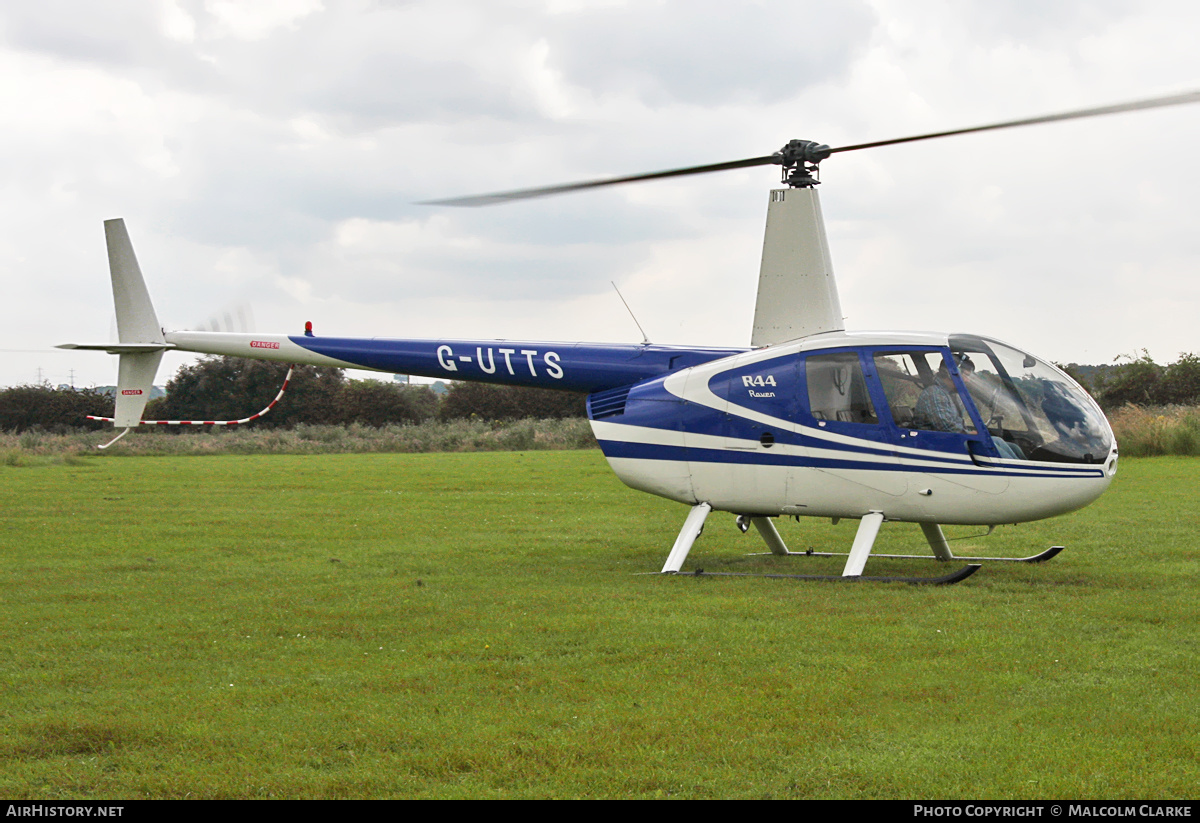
[856, 560]
[864, 539]
[687, 536]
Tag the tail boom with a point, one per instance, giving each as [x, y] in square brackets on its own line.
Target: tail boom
[583, 367]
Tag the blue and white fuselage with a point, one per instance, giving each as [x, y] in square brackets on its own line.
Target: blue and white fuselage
[814, 427]
[743, 434]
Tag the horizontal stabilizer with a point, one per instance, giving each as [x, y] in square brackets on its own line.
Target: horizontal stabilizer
[117, 348]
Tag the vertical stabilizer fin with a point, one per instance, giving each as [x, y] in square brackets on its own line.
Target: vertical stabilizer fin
[797, 294]
[136, 320]
[136, 323]
[134, 381]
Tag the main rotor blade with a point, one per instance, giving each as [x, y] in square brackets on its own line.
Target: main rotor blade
[777, 158]
[525, 194]
[1136, 105]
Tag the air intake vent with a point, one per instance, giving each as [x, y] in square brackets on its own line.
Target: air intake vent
[608, 403]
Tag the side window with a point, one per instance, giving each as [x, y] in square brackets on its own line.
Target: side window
[920, 392]
[837, 390]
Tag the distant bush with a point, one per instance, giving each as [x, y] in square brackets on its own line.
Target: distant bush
[24, 408]
[1134, 383]
[230, 388]
[488, 402]
[1181, 381]
[1138, 380]
[374, 403]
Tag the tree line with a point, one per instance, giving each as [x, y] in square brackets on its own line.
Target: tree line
[1137, 380]
[230, 388]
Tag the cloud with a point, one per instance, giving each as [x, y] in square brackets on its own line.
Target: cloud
[708, 53]
[273, 154]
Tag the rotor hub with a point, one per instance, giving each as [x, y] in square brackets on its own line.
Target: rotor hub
[800, 159]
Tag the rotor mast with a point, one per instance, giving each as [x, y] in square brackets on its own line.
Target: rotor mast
[797, 292]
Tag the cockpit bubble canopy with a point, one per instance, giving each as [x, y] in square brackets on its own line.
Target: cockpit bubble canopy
[1029, 402]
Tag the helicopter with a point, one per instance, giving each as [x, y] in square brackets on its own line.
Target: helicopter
[809, 420]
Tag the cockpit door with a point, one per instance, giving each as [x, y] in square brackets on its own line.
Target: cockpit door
[933, 421]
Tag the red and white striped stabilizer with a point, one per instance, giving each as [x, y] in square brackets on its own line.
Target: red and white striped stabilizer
[270, 406]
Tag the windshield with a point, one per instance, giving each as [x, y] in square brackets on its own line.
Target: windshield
[1031, 404]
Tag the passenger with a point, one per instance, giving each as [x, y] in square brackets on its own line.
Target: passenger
[938, 408]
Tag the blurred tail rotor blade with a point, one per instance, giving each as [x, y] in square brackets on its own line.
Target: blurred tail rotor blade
[238, 319]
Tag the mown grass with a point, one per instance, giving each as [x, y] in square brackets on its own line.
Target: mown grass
[471, 625]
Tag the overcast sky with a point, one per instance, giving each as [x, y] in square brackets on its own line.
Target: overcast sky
[269, 154]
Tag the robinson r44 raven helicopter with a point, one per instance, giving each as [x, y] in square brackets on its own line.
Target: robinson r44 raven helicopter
[810, 421]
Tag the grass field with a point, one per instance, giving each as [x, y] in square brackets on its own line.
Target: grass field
[471, 625]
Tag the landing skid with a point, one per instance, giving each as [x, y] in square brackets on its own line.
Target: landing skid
[1033, 558]
[944, 580]
[856, 558]
[864, 538]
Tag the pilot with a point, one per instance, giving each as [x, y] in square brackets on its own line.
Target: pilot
[966, 369]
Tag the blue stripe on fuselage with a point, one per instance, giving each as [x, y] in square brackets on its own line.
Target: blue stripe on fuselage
[654, 451]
